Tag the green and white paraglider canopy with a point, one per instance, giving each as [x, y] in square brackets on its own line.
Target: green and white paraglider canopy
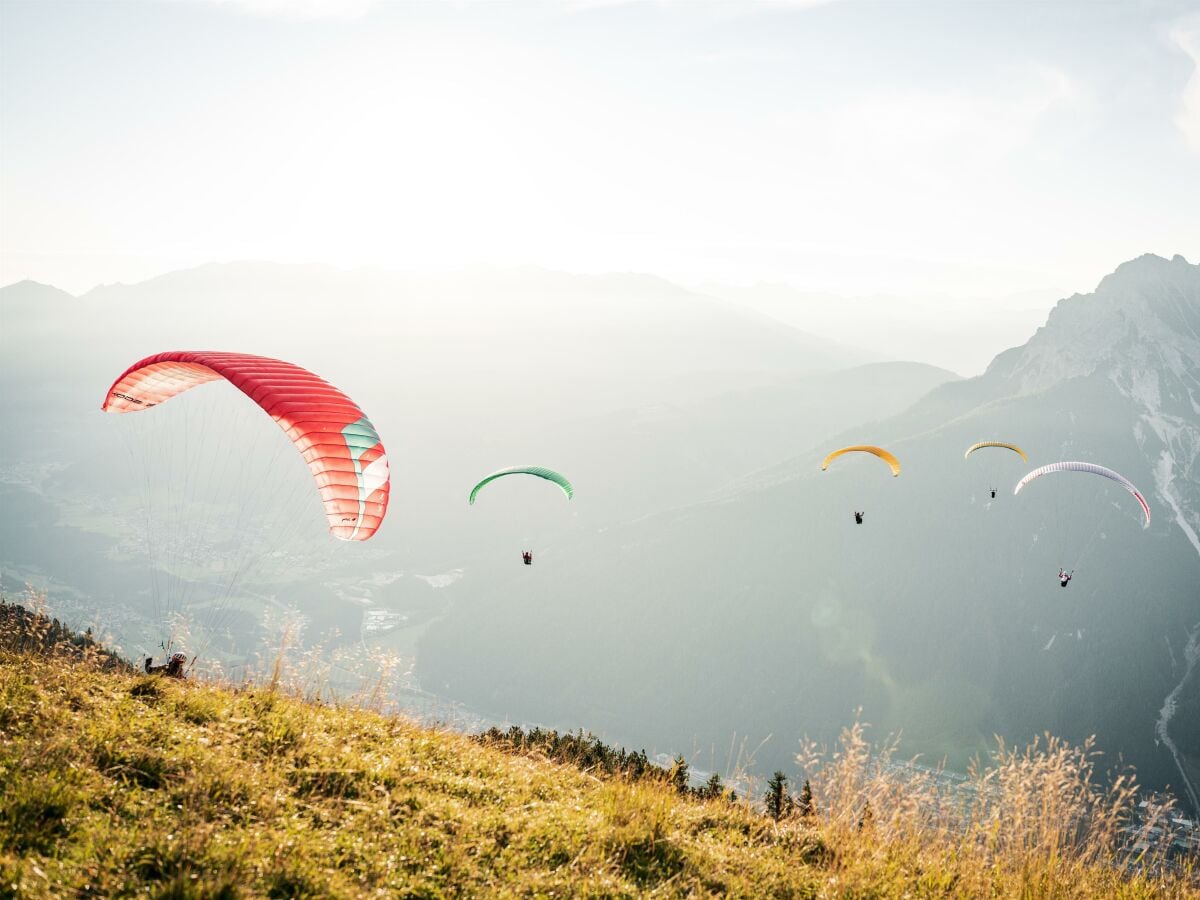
[538, 471]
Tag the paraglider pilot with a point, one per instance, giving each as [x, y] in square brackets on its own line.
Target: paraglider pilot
[173, 668]
[858, 517]
[993, 493]
[527, 557]
[1064, 578]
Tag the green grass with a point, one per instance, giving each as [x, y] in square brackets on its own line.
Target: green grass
[118, 784]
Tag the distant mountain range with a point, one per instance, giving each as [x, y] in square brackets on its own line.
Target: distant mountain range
[644, 392]
[767, 611]
[957, 333]
[707, 583]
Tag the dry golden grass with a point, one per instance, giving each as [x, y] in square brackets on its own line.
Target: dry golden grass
[1034, 822]
[120, 784]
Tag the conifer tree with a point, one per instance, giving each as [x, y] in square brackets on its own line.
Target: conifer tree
[779, 801]
[679, 775]
[712, 788]
[806, 807]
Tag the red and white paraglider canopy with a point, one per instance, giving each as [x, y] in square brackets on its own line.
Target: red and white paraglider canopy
[336, 439]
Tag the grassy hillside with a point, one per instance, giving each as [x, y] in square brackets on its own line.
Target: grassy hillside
[121, 784]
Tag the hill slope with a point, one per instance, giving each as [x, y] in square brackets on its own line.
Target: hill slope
[119, 784]
[116, 783]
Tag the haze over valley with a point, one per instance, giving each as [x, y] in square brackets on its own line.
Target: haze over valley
[706, 585]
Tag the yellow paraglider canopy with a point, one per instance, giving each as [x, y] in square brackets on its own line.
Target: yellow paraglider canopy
[1012, 447]
[865, 448]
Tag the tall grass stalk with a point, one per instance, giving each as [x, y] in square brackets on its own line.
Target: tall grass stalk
[1037, 816]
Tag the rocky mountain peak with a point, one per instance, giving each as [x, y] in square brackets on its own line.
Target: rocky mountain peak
[1142, 322]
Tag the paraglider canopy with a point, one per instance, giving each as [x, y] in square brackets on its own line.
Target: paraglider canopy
[1088, 469]
[887, 457]
[1013, 447]
[336, 439]
[538, 471]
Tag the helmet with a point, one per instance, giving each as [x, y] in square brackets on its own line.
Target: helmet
[179, 657]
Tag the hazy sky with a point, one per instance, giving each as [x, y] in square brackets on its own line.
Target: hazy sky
[974, 148]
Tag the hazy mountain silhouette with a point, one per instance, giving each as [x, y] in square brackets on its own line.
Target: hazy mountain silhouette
[959, 333]
[647, 394]
[767, 610]
[707, 580]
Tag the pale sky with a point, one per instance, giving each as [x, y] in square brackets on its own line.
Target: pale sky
[960, 148]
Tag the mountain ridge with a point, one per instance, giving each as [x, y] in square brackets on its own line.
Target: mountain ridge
[774, 549]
